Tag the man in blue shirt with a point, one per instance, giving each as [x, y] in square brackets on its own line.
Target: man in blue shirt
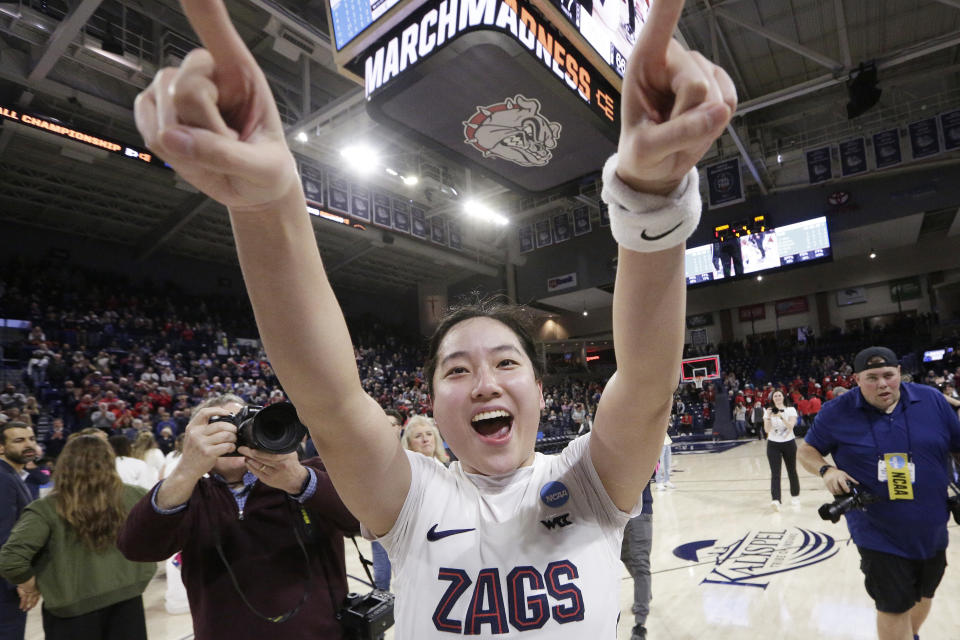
[894, 441]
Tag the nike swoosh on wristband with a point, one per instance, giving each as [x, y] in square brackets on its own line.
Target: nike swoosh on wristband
[662, 235]
[433, 535]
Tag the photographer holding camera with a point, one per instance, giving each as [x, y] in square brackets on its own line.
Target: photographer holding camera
[260, 533]
[891, 440]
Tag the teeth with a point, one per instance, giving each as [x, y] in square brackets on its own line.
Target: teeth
[489, 415]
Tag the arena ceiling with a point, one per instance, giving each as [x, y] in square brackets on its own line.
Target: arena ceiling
[790, 60]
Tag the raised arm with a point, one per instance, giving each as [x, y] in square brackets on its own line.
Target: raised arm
[675, 104]
[215, 121]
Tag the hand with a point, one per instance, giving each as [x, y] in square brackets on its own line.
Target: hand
[836, 481]
[214, 118]
[205, 442]
[279, 470]
[29, 594]
[675, 104]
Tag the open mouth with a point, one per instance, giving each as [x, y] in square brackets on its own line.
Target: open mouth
[494, 425]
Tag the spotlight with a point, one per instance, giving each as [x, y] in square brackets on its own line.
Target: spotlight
[863, 90]
[410, 180]
[480, 211]
[779, 159]
[301, 137]
[759, 278]
[873, 254]
[361, 158]
[585, 313]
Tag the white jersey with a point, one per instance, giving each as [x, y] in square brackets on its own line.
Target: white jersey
[779, 431]
[531, 554]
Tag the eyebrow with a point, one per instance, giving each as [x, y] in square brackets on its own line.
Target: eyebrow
[463, 354]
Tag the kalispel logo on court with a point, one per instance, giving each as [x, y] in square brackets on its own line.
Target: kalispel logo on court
[752, 559]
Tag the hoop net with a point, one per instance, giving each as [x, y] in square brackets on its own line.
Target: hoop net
[698, 380]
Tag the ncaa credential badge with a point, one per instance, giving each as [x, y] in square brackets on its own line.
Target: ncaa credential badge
[752, 559]
[554, 494]
[513, 130]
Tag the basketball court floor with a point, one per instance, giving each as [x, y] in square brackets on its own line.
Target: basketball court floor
[745, 571]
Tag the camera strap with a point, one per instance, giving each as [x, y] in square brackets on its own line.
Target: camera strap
[306, 582]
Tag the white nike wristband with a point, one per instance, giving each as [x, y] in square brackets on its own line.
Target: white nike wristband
[647, 222]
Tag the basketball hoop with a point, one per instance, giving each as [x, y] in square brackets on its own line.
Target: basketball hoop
[698, 380]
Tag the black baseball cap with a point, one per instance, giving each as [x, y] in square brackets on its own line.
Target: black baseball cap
[873, 358]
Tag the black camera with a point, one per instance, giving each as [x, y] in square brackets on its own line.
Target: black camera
[856, 499]
[274, 428]
[367, 617]
[953, 502]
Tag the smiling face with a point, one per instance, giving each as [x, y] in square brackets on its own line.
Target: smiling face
[777, 398]
[880, 386]
[486, 398]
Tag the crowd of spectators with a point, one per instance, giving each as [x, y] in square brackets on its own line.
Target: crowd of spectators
[102, 352]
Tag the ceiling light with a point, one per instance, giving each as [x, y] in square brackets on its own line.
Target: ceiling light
[301, 137]
[779, 158]
[410, 180]
[585, 313]
[360, 158]
[390, 171]
[482, 212]
[873, 254]
[759, 278]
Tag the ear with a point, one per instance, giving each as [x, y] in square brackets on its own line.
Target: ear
[856, 378]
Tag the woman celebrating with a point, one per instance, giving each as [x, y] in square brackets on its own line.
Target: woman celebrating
[64, 548]
[778, 422]
[421, 435]
[462, 538]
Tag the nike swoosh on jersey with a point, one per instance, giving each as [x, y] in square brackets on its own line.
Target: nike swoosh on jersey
[662, 235]
[433, 535]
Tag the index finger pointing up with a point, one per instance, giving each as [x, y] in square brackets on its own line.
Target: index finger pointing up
[658, 30]
[211, 22]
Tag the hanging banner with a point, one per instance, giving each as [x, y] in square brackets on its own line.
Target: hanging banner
[338, 195]
[542, 233]
[819, 165]
[526, 238]
[312, 181]
[360, 201]
[438, 229]
[561, 227]
[381, 211]
[699, 320]
[604, 214]
[924, 138]
[401, 215]
[853, 157]
[418, 222]
[725, 183]
[852, 295]
[454, 239]
[791, 306]
[905, 289]
[581, 221]
[950, 124]
[753, 312]
[886, 148]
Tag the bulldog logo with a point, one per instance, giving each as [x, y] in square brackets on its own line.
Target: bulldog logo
[513, 130]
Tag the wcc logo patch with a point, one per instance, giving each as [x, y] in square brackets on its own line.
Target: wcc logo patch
[751, 560]
[513, 130]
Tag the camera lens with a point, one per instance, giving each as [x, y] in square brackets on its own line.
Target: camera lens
[277, 429]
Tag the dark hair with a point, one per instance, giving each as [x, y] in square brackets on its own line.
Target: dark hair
[515, 317]
[14, 424]
[394, 414]
[120, 444]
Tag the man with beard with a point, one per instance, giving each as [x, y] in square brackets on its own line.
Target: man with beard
[18, 446]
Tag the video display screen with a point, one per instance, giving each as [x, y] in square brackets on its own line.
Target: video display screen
[351, 17]
[771, 249]
[611, 26]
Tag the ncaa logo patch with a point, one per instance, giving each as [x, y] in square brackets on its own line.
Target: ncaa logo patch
[897, 462]
[513, 130]
[554, 494]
